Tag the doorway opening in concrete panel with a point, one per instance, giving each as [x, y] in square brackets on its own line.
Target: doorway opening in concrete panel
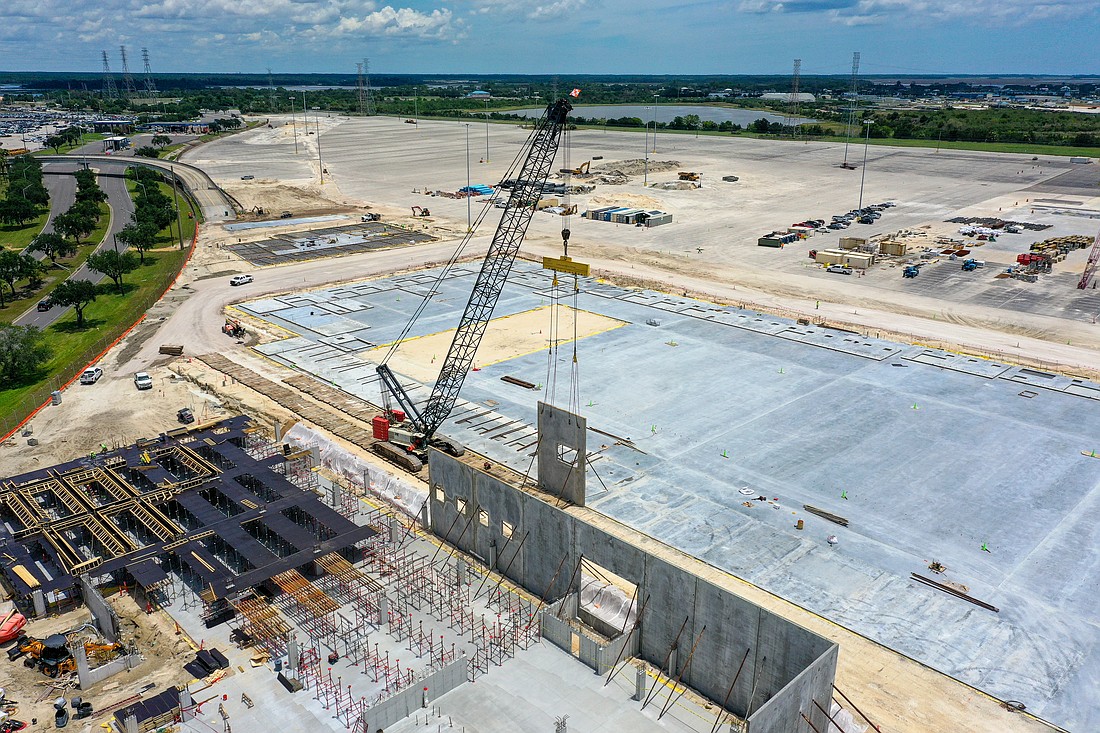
[608, 602]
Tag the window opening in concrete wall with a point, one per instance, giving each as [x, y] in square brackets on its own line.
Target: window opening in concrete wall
[460, 505]
[567, 454]
[440, 495]
[483, 517]
[606, 597]
[506, 529]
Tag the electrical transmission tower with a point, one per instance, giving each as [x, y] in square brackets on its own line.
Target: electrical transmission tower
[793, 104]
[150, 85]
[368, 103]
[109, 89]
[359, 72]
[127, 79]
[852, 108]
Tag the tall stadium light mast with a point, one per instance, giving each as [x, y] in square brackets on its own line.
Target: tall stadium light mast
[852, 108]
[109, 89]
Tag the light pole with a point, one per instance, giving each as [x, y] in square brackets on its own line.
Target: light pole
[469, 219]
[655, 122]
[486, 130]
[863, 175]
[175, 196]
[294, 124]
[320, 165]
[416, 109]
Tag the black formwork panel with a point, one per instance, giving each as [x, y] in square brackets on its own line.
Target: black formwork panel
[250, 548]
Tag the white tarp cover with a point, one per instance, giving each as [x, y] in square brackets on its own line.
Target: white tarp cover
[380, 482]
[845, 720]
[607, 601]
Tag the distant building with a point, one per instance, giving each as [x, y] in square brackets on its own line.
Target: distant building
[479, 94]
[785, 96]
[111, 125]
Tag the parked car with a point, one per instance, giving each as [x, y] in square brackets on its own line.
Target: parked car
[185, 416]
[142, 380]
[247, 178]
[240, 279]
[839, 269]
[866, 220]
[44, 305]
[91, 375]
[839, 225]
[285, 215]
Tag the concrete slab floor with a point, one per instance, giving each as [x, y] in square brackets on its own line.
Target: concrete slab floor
[712, 408]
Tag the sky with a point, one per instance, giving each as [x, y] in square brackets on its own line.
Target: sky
[556, 36]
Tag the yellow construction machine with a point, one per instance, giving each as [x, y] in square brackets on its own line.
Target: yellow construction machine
[688, 176]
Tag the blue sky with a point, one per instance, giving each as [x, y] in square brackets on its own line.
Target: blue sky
[556, 36]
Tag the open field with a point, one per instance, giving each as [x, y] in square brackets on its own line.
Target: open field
[380, 161]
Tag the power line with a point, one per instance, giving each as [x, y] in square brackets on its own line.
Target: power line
[150, 85]
[109, 89]
[127, 79]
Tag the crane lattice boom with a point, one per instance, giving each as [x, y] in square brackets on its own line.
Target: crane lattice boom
[490, 280]
[1090, 266]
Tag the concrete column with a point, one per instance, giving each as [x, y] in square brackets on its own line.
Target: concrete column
[396, 531]
[185, 702]
[83, 673]
[292, 659]
[425, 522]
[383, 609]
[639, 684]
[131, 724]
[39, 603]
[672, 662]
[460, 572]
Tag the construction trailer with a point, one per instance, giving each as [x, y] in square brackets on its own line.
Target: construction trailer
[893, 248]
[860, 260]
[778, 239]
[852, 242]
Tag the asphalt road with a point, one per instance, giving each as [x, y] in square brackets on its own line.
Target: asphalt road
[197, 322]
[213, 202]
[62, 195]
[118, 198]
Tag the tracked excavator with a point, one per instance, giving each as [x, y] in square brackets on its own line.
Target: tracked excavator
[406, 430]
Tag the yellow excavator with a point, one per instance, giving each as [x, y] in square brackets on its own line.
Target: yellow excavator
[581, 170]
[52, 655]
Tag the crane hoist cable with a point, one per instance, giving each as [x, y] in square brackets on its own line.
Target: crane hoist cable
[453, 260]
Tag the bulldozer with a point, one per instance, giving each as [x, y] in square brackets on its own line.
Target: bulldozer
[688, 176]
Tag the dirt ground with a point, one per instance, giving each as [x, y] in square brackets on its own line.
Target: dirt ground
[505, 338]
[154, 635]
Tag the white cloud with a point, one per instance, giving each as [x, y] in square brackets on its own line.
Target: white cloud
[863, 12]
[555, 10]
[389, 21]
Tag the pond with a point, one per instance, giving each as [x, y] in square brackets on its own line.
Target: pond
[666, 113]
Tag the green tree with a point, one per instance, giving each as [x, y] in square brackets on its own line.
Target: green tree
[78, 222]
[113, 264]
[55, 142]
[160, 141]
[17, 211]
[147, 151]
[33, 269]
[75, 293]
[3, 160]
[692, 122]
[139, 235]
[22, 352]
[11, 269]
[53, 245]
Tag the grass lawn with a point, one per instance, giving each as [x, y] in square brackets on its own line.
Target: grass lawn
[18, 237]
[86, 138]
[26, 297]
[169, 235]
[104, 320]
